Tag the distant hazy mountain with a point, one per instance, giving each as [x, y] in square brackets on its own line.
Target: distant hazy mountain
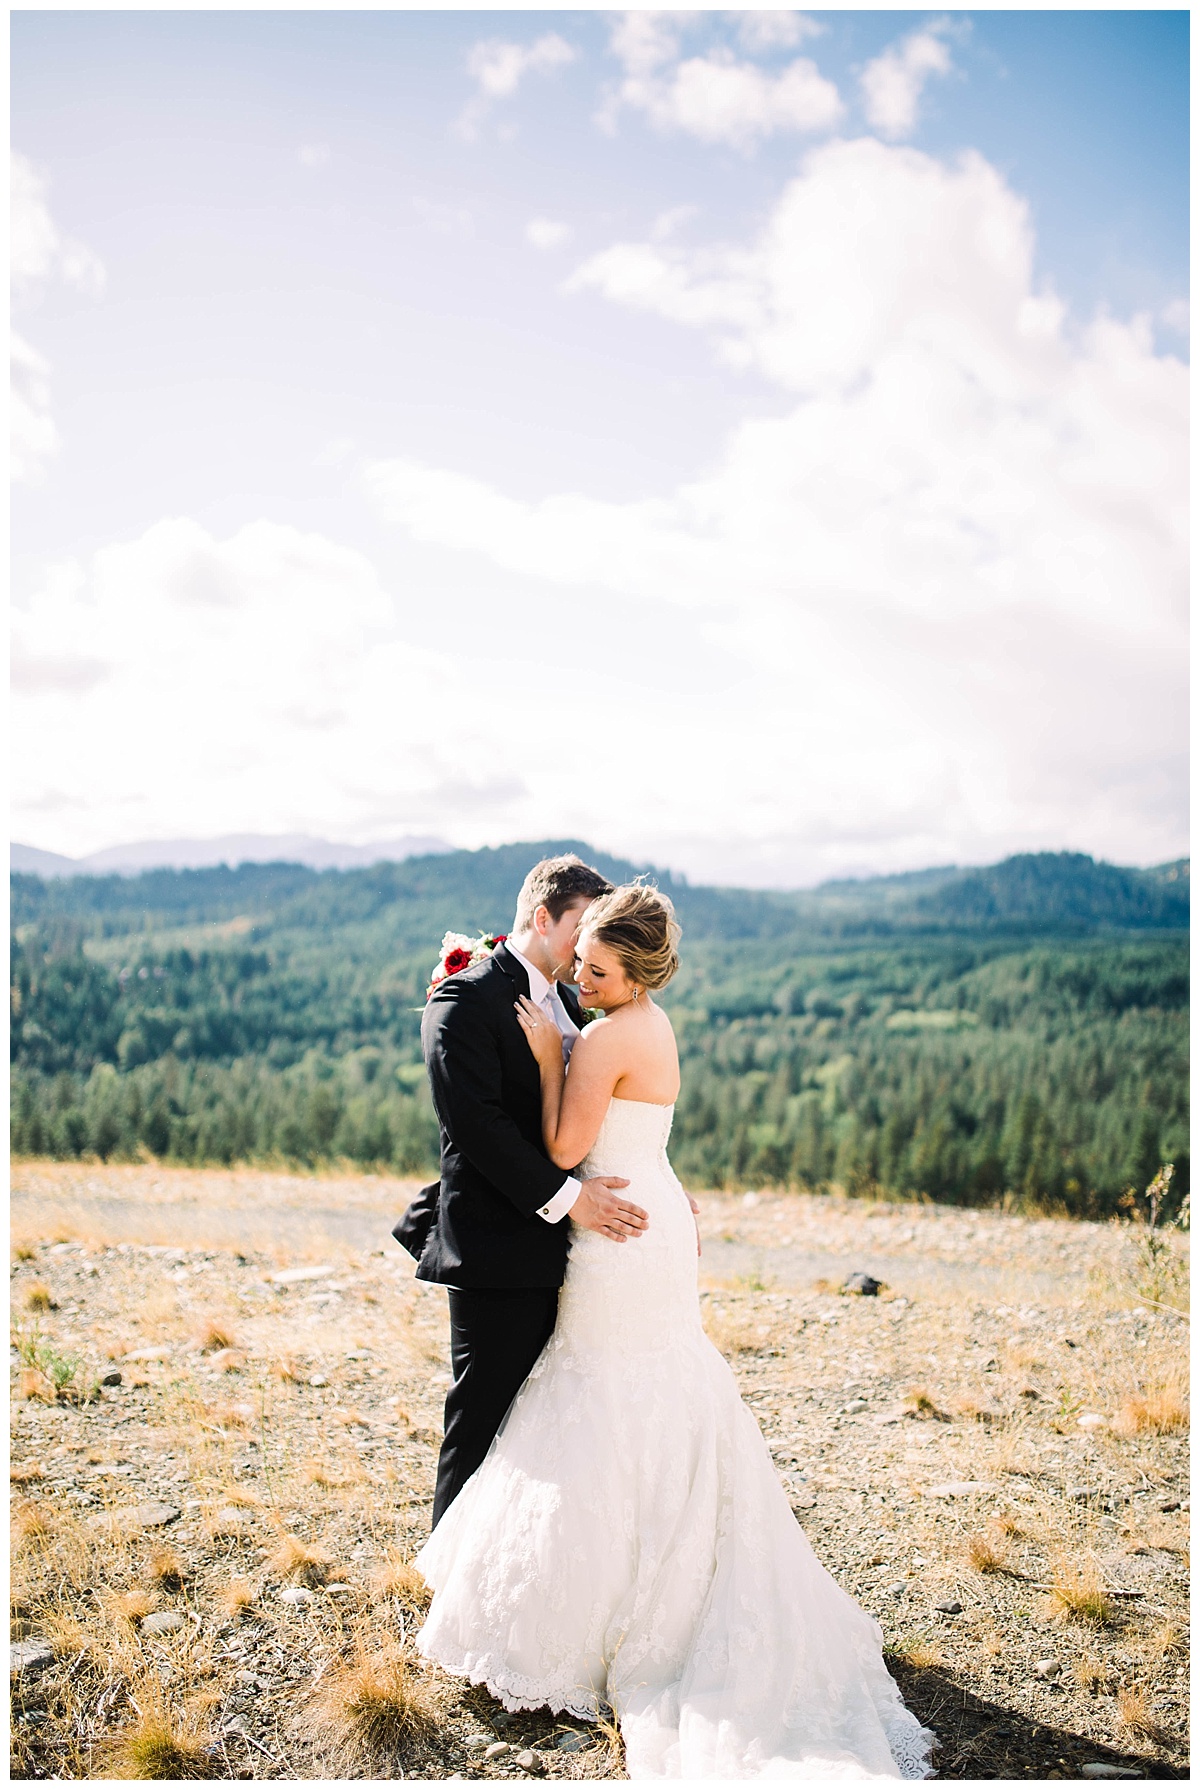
[232, 849]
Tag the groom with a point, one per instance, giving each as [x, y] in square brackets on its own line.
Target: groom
[492, 1228]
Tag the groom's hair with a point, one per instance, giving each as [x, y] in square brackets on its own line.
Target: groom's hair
[554, 884]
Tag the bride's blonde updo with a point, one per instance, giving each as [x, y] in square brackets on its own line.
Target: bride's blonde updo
[637, 923]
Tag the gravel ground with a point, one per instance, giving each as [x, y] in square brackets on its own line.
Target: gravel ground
[989, 1453]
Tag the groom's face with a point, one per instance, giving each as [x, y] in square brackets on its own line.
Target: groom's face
[560, 936]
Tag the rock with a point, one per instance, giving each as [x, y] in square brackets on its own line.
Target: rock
[497, 1750]
[896, 1590]
[804, 1500]
[340, 1585]
[1048, 1668]
[27, 1658]
[864, 1284]
[162, 1622]
[1091, 1420]
[318, 1380]
[229, 1521]
[112, 1379]
[1169, 1504]
[573, 1743]
[476, 1743]
[957, 1488]
[949, 1606]
[1101, 1768]
[154, 1514]
[295, 1594]
[227, 1361]
[290, 1277]
[237, 1724]
[855, 1408]
[529, 1761]
[159, 1353]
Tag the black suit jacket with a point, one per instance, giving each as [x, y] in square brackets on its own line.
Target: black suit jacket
[478, 1225]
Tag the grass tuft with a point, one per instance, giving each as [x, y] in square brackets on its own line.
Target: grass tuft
[166, 1568]
[986, 1554]
[1077, 1594]
[237, 1596]
[1134, 1712]
[38, 1297]
[919, 1403]
[26, 1473]
[24, 1252]
[161, 1744]
[32, 1525]
[1161, 1411]
[373, 1703]
[304, 1565]
[399, 1578]
[918, 1652]
[131, 1606]
[212, 1334]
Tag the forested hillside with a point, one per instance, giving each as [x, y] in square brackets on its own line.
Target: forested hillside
[1019, 1030]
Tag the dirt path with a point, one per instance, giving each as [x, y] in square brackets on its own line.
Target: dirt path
[1003, 1429]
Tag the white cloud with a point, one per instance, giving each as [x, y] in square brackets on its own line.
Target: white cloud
[38, 250]
[313, 155]
[498, 68]
[1177, 316]
[893, 83]
[775, 30]
[39, 253]
[949, 583]
[544, 233]
[713, 97]
[32, 435]
[442, 219]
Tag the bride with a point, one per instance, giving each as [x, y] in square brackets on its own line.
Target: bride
[626, 1540]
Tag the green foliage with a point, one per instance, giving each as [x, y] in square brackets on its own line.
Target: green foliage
[61, 1370]
[1018, 1033]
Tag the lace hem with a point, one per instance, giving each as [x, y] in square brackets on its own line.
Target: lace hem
[510, 1688]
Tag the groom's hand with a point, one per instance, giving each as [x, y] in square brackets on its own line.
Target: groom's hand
[598, 1208]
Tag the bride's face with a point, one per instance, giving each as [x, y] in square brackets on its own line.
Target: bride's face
[599, 977]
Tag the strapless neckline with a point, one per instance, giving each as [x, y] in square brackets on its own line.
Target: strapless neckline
[661, 1106]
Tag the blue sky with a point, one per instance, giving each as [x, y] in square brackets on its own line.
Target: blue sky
[402, 381]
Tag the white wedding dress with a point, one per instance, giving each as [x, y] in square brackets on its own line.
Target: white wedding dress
[627, 1541]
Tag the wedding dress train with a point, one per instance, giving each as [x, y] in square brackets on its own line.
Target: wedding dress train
[627, 1541]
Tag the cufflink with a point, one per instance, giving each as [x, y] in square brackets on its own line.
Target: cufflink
[543, 1211]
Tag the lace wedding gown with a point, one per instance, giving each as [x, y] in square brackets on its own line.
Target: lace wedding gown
[627, 1540]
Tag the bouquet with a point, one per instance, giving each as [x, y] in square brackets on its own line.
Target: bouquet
[459, 952]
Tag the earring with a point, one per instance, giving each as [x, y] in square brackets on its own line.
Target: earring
[636, 993]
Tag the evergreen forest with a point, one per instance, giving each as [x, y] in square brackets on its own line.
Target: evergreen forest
[1016, 1033]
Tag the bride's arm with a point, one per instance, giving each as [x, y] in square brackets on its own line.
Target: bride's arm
[573, 1106]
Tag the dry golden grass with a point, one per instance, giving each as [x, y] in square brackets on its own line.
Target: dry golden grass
[161, 1742]
[1134, 1712]
[1092, 1674]
[32, 1525]
[1160, 1411]
[214, 1333]
[320, 1474]
[289, 1370]
[918, 1652]
[34, 1385]
[300, 1562]
[26, 1473]
[920, 1403]
[237, 1596]
[38, 1297]
[1168, 1639]
[130, 1606]
[24, 1252]
[166, 1568]
[1077, 1593]
[987, 1553]
[372, 1704]
[399, 1578]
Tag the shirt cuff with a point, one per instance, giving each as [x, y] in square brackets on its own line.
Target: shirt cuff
[562, 1202]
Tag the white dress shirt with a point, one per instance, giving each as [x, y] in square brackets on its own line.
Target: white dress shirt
[545, 995]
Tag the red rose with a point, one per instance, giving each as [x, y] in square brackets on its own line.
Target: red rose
[499, 938]
[456, 960]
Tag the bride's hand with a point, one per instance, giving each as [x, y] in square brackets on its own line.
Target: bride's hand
[542, 1035]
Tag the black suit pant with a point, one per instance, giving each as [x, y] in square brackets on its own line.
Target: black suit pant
[496, 1335]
